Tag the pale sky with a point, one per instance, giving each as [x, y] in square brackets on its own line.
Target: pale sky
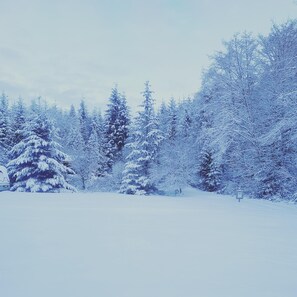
[66, 50]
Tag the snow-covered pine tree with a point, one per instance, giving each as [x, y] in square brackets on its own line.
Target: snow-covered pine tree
[172, 129]
[73, 137]
[185, 123]
[116, 126]
[86, 163]
[144, 144]
[163, 119]
[209, 172]
[124, 122]
[17, 122]
[84, 120]
[4, 129]
[75, 148]
[37, 165]
[95, 148]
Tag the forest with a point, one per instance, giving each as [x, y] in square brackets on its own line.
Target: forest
[239, 131]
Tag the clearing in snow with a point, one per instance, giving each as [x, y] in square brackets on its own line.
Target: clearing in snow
[112, 245]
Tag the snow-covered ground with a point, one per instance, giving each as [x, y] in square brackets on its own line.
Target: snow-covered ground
[110, 245]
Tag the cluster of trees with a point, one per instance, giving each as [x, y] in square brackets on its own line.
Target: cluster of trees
[47, 149]
[239, 130]
[249, 102]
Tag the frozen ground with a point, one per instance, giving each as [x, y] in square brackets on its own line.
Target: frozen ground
[110, 245]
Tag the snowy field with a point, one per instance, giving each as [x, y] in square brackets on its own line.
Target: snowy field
[110, 245]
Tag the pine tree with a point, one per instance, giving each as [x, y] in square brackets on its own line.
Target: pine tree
[172, 129]
[84, 121]
[18, 120]
[95, 149]
[86, 162]
[18, 123]
[124, 122]
[75, 147]
[37, 165]
[163, 119]
[73, 137]
[209, 172]
[4, 129]
[116, 126]
[144, 145]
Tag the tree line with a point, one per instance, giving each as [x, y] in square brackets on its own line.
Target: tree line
[238, 131]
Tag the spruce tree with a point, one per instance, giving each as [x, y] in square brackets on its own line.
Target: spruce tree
[209, 172]
[144, 145]
[84, 121]
[37, 164]
[116, 126]
[94, 149]
[172, 131]
[4, 129]
[18, 120]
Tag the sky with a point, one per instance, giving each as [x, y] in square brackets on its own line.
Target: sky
[69, 50]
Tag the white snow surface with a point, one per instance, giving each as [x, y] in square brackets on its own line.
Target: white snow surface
[112, 245]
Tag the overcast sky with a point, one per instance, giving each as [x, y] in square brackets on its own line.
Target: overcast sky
[66, 50]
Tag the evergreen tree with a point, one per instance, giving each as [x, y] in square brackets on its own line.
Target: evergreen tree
[116, 126]
[163, 119]
[209, 172]
[73, 137]
[4, 129]
[75, 147]
[172, 129]
[144, 145]
[84, 121]
[37, 165]
[95, 148]
[18, 120]
[18, 124]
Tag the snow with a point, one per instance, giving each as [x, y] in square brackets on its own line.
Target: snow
[111, 245]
